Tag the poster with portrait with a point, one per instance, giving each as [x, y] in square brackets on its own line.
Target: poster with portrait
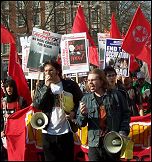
[101, 47]
[116, 57]
[74, 53]
[29, 74]
[44, 46]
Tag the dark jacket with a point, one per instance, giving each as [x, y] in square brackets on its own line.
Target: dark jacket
[118, 115]
[44, 98]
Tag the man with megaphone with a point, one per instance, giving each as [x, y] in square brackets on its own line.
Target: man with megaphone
[58, 99]
[107, 115]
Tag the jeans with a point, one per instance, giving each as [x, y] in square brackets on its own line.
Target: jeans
[58, 147]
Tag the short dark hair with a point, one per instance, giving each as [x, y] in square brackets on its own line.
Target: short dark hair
[109, 69]
[55, 64]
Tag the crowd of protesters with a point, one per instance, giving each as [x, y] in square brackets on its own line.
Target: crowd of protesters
[100, 101]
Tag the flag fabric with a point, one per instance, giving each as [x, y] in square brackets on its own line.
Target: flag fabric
[115, 33]
[133, 64]
[79, 26]
[21, 138]
[14, 67]
[6, 36]
[137, 40]
[114, 30]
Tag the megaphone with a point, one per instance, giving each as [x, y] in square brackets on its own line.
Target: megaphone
[114, 142]
[39, 120]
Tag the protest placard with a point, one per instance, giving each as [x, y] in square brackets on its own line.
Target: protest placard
[101, 47]
[116, 57]
[74, 53]
[25, 43]
[44, 46]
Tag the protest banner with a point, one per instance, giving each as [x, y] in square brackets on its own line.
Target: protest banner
[101, 47]
[44, 46]
[116, 57]
[74, 53]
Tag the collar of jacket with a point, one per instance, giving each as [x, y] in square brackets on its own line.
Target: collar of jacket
[93, 95]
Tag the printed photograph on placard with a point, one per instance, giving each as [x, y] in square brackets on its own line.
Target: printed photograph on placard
[116, 57]
[77, 51]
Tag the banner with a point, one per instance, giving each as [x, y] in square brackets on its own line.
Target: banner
[44, 46]
[140, 134]
[116, 57]
[74, 53]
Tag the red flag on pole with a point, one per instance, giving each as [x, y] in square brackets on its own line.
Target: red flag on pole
[114, 30]
[137, 41]
[79, 26]
[14, 67]
[138, 34]
[115, 33]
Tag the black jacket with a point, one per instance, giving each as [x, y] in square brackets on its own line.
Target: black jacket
[44, 98]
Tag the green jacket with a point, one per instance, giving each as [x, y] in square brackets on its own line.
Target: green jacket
[118, 115]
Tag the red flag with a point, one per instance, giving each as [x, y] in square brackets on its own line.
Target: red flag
[14, 67]
[114, 30]
[137, 35]
[79, 26]
[18, 134]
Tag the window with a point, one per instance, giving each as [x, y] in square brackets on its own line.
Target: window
[36, 19]
[36, 4]
[94, 16]
[60, 18]
[7, 19]
[20, 20]
[59, 3]
[76, 2]
[20, 4]
[5, 5]
[5, 49]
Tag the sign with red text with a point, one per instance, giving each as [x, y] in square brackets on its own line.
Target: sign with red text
[44, 46]
[74, 53]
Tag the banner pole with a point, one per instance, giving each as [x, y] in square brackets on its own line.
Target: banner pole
[77, 78]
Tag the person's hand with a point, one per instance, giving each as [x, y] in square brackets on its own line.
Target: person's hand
[6, 115]
[2, 134]
[70, 116]
[47, 80]
[83, 109]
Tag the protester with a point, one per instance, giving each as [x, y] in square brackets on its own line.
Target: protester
[11, 103]
[143, 87]
[111, 76]
[135, 98]
[57, 136]
[104, 110]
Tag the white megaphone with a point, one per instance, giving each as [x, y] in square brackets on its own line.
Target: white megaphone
[114, 142]
[39, 120]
